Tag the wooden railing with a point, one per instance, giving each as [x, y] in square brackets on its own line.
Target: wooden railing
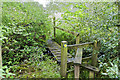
[68, 31]
[76, 34]
[81, 45]
[78, 57]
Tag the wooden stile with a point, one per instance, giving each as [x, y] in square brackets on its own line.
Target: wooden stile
[78, 58]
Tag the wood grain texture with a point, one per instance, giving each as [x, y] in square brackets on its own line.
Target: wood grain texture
[55, 49]
[0, 57]
[63, 69]
[76, 67]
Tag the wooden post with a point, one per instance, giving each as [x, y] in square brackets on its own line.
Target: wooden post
[54, 26]
[0, 58]
[63, 58]
[91, 74]
[77, 68]
[94, 59]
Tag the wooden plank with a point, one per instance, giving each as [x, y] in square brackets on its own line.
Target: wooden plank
[0, 59]
[55, 49]
[70, 59]
[94, 59]
[63, 58]
[89, 67]
[95, 54]
[78, 57]
[53, 44]
[0, 56]
[76, 67]
[81, 45]
[54, 27]
[91, 74]
[86, 58]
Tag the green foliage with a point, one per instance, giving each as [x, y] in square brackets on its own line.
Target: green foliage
[94, 21]
[25, 28]
[38, 69]
[6, 73]
[90, 22]
[111, 69]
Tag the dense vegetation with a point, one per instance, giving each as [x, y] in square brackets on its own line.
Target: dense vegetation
[26, 27]
[94, 21]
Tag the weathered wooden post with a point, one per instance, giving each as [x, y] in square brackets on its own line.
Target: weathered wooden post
[54, 26]
[0, 58]
[76, 67]
[63, 58]
[94, 59]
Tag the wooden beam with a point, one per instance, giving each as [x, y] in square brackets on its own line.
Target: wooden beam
[94, 59]
[89, 67]
[95, 54]
[91, 74]
[76, 34]
[63, 59]
[87, 58]
[54, 27]
[81, 45]
[77, 68]
[0, 58]
[78, 56]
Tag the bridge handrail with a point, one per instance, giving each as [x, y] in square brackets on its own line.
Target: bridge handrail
[76, 34]
[68, 31]
[80, 45]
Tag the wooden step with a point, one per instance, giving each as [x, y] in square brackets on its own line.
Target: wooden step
[57, 55]
[89, 67]
[92, 68]
[70, 59]
[53, 48]
[55, 51]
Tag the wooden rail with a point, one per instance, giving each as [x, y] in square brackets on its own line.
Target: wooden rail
[81, 45]
[87, 58]
[76, 34]
[78, 57]
[54, 27]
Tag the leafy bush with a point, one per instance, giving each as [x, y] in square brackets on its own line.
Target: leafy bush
[25, 28]
[93, 22]
[111, 69]
[47, 68]
[5, 73]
